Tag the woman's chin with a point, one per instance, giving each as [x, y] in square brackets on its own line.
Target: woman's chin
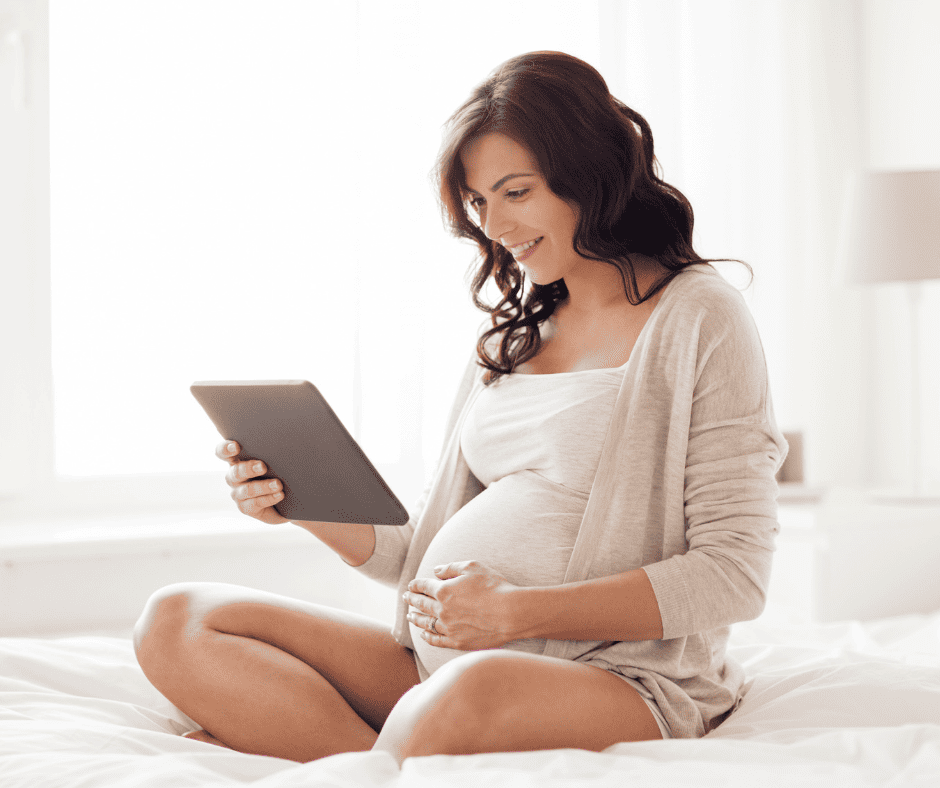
[533, 276]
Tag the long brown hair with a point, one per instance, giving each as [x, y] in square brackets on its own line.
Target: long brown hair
[593, 151]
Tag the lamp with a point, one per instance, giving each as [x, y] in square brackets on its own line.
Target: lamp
[891, 233]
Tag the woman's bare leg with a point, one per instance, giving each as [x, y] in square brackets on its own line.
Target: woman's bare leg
[510, 701]
[271, 675]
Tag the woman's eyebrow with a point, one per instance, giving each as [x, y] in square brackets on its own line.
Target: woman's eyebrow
[502, 180]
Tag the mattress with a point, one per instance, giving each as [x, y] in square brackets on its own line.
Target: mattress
[843, 704]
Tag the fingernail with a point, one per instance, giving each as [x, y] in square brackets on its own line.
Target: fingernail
[273, 485]
[230, 447]
[258, 467]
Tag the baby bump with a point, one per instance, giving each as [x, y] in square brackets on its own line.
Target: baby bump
[522, 526]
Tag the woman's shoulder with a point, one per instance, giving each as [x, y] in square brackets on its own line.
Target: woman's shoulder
[705, 280]
[703, 311]
[701, 291]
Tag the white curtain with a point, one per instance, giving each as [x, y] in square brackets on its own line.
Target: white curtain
[758, 112]
[294, 232]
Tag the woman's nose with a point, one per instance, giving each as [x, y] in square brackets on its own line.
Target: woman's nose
[495, 224]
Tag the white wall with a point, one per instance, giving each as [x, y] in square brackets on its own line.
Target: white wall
[822, 374]
[902, 75]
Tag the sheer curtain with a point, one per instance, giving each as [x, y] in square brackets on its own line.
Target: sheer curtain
[758, 113]
[761, 110]
[240, 190]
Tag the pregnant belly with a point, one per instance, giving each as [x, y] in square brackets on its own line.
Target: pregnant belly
[522, 526]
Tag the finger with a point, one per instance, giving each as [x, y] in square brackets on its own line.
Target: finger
[449, 571]
[424, 604]
[425, 622]
[226, 450]
[432, 625]
[242, 471]
[258, 489]
[254, 506]
[434, 640]
[426, 586]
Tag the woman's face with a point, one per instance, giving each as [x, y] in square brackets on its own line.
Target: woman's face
[515, 207]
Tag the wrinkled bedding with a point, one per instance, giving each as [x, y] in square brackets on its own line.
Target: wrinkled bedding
[845, 704]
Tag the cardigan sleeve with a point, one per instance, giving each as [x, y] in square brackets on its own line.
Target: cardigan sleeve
[734, 451]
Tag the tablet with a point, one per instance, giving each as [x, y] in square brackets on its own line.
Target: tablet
[291, 427]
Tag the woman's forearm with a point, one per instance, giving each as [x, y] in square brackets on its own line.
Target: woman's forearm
[618, 607]
[354, 542]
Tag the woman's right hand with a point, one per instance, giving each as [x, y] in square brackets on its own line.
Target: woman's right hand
[254, 498]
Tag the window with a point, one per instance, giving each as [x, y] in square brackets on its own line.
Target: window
[240, 190]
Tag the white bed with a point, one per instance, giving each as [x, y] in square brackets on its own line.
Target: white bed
[846, 704]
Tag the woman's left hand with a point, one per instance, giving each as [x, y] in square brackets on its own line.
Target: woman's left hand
[467, 603]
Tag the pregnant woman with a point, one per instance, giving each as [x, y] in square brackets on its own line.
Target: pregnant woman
[604, 506]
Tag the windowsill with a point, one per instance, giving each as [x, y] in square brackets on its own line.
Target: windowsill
[23, 539]
[86, 574]
[145, 531]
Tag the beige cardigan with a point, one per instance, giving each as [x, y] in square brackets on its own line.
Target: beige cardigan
[685, 489]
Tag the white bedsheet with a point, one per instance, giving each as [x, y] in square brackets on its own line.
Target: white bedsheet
[832, 705]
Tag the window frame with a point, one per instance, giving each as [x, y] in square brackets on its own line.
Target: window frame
[26, 429]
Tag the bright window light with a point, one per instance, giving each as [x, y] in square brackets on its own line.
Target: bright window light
[235, 186]
[199, 231]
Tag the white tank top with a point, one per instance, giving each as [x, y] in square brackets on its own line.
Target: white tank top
[535, 442]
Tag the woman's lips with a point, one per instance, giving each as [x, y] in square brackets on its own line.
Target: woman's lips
[524, 251]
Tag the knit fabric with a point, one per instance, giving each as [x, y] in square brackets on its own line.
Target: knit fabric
[684, 488]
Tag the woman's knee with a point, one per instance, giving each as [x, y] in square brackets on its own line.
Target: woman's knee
[477, 689]
[454, 710]
[164, 620]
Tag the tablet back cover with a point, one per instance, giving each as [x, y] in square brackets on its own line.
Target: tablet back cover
[291, 427]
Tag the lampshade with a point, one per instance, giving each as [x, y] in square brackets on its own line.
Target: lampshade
[891, 230]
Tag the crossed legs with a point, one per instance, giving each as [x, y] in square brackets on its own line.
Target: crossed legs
[276, 676]
[272, 675]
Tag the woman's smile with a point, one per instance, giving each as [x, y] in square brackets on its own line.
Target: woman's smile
[525, 250]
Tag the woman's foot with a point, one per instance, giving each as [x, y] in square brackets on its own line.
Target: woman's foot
[208, 738]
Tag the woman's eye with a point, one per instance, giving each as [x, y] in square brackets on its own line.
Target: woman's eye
[476, 202]
[517, 193]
